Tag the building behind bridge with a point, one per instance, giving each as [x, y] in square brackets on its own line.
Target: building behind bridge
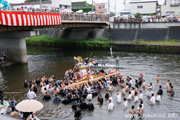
[100, 8]
[51, 4]
[154, 7]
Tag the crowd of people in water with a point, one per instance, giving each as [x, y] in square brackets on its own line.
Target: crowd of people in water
[82, 94]
[3, 56]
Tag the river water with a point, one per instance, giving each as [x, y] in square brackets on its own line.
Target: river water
[48, 62]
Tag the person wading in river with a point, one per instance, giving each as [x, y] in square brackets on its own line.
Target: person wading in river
[117, 61]
[157, 78]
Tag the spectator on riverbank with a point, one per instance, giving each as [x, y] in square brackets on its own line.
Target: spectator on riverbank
[12, 103]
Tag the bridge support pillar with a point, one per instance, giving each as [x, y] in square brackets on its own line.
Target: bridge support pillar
[15, 44]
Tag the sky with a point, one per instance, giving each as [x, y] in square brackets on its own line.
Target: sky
[119, 3]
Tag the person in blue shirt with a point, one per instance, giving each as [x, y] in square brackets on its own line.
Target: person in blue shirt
[160, 91]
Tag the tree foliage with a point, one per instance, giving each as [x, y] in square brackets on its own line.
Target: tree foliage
[137, 15]
[112, 14]
[86, 9]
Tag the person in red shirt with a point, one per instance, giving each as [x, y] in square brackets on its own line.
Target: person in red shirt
[22, 9]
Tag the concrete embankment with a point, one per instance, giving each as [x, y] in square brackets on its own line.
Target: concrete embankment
[150, 34]
[120, 39]
[148, 48]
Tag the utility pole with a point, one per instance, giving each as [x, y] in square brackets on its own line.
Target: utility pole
[124, 4]
[92, 5]
[108, 6]
[40, 6]
[115, 7]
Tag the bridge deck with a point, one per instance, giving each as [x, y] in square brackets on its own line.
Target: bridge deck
[65, 24]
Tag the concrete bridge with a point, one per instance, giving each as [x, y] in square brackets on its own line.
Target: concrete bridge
[14, 27]
[65, 24]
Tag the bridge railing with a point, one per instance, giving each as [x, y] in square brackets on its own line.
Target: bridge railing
[84, 17]
[120, 20]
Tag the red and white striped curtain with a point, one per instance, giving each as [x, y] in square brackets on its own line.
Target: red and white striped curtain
[29, 19]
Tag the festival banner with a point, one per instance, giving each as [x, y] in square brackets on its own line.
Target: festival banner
[10, 18]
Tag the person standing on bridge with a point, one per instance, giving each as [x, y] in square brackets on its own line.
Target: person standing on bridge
[117, 61]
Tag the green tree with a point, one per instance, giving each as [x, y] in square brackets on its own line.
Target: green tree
[35, 0]
[137, 15]
[112, 14]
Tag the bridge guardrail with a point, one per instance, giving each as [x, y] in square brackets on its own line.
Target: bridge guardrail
[141, 20]
[84, 17]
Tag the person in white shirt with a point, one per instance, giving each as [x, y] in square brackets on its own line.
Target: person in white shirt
[140, 95]
[168, 85]
[111, 88]
[89, 96]
[149, 93]
[88, 89]
[108, 83]
[130, 81]
[158, 97]
[25, 9]
[118, 97]
[129, 96]
[42, 89]
[110, 98]
[135, 97]
[31, 94]
[152, 100]
[125, 103]
[132, 91]
[110, 105]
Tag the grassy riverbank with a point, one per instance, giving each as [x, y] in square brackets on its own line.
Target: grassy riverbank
[170, 46]
[167, 42]
[48, 41]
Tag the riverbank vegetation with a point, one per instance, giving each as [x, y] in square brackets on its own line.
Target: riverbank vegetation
[165, 42]
[169, 46]
[48, 41]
